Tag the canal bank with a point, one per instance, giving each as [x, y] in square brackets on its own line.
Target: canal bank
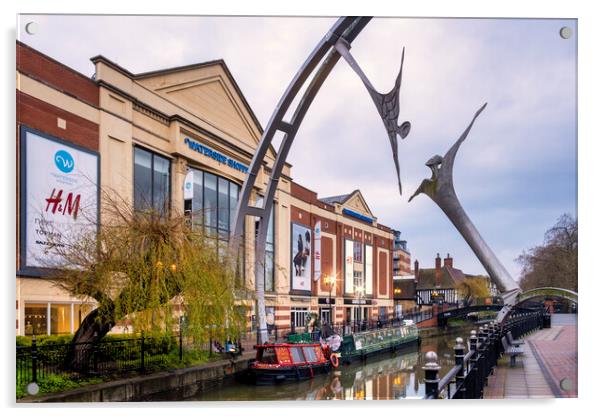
[189, 381]
[205, 381]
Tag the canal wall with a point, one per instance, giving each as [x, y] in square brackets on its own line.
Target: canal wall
[187, 381]
[184, 382]
[436, 331]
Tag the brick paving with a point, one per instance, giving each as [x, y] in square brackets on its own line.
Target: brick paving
[550, 356]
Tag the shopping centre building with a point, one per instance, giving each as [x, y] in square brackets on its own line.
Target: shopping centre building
[178, 140]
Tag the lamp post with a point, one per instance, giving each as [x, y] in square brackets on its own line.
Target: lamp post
[359, 290]
[396, 293]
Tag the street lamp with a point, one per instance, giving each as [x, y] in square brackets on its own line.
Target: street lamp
[397, 292]
[359, 290]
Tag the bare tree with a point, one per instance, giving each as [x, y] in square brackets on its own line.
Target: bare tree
[554, 263]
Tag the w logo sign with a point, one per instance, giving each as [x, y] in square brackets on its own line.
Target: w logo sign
[64, 161]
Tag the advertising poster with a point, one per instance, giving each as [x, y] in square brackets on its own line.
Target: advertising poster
[349, 266]
[301, 257]
[317, 250]
[368, 266]
[60, 197]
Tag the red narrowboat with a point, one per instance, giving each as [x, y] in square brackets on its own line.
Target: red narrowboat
[282, 362]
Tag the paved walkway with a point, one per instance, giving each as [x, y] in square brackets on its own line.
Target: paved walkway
[547, 369]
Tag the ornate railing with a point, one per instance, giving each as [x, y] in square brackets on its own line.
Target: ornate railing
[467, 379]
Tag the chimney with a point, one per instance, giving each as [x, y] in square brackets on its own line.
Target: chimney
[448, 261]
[438, 271]
[416, 270]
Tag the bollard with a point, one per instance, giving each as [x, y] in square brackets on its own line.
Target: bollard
[473, 340]
[481, 338]
[459, 356]
[431, 375]
[483, 369]
[487, 351]
[471, 393]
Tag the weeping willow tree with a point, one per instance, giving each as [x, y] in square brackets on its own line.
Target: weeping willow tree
[472, 288]
[147, 269]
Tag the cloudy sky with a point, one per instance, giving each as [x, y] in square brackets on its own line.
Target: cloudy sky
[515, 174]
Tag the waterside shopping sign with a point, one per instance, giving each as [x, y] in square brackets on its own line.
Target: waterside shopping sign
[59, 197]
[213, 154]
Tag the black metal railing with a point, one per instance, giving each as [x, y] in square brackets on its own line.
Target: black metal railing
[108, 357]
[468, 378]
[136, 354]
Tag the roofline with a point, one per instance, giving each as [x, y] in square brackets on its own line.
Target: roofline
[175, 69]
[76, 72]
[346, 216]
[401, 249]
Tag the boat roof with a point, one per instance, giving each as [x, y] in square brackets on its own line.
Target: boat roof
[288, 344]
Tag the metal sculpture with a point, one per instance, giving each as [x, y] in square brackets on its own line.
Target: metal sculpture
[548, 292]
[387, 105]
[440, 188]
[322, 59]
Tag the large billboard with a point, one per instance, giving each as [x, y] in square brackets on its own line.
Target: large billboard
[368, 269]
[301, 249]
[58, 197]
[349, 267]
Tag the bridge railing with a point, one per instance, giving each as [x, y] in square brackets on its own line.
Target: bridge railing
[467, 379]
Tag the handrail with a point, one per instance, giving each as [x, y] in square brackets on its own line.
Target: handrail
[451, 374]
[474, 367]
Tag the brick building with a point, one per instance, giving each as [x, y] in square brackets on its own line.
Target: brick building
[141, 135]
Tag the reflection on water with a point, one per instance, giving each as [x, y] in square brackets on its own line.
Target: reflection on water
[385, 377]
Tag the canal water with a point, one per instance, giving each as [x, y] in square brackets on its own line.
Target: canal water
[389, 376]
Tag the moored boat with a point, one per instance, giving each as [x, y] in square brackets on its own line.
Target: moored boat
[361, 345]
[282, 362]
[299, 358]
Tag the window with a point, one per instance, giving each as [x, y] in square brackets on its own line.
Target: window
[310, 354]
[269, 247]
[325, 315]
[368, 270]
[210, 203]
[357, 252]
[298, 317]
[36, 319]
[358, 281]
[297, 355]
[151, 181]
[213, 207]
[80, 311]
[54, 318]
[60, 318]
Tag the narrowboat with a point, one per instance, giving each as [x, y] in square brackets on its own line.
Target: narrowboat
[284, 362]
[361, 345]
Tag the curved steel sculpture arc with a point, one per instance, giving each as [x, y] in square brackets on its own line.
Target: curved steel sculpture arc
[548, 291]
[326, 54]
[440, 188]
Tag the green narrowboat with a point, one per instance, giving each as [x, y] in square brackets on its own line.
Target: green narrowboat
[361, 345]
